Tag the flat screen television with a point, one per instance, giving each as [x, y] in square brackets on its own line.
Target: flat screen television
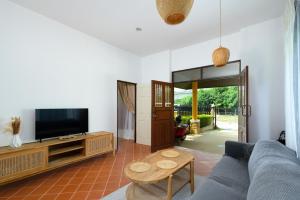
[60, 122]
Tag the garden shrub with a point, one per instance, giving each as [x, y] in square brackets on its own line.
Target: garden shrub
[205, 120]
[186, 119]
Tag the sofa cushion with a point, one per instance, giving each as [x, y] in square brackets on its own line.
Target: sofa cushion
[213, 190]
[276, 180]
[268, 151]
[229, 180]
[232, 173]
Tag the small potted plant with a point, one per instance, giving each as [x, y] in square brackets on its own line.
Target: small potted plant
[14, 128]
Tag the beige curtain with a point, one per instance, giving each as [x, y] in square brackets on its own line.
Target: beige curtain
[127, 94]
[126, 110]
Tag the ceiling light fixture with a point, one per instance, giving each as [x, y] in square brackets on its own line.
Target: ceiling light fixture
[138, 29]
[174, 11]
[220, 55]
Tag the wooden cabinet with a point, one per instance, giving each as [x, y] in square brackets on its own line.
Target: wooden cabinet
[18, 164]
[98, 145]
[35, 158]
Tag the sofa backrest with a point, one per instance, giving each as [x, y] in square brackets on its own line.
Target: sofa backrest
[274, 172]
[269, 151]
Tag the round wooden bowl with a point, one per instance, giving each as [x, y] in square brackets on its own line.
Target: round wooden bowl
[170, 153]
[140, 167]
[166, 164]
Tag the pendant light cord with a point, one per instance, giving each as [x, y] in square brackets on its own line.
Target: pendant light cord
[220, 23]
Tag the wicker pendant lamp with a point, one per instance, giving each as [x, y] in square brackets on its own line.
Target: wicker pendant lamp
[220, 55]
[174, 11]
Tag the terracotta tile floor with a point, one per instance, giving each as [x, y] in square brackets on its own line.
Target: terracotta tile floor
[91, 179]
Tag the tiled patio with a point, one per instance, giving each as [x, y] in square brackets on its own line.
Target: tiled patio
[210, 141]
[91, 179]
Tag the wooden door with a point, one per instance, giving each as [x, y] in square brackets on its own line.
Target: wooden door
[244, 108]
[162, 119]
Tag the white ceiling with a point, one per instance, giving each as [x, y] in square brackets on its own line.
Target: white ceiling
[115, 21]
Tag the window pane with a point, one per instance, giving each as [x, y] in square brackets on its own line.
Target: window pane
[230, 69]
[188, 75]
[158, 95]
[168, 96]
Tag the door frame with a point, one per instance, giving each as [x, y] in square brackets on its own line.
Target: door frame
[247, 104]
[135, 107]
[207, 66]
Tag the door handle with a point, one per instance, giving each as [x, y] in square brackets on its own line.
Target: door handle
[244, 113]
[244, 110]
[250, 111]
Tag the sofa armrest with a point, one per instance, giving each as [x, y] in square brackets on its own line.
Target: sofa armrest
[238, 150]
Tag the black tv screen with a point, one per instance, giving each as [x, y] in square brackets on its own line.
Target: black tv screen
[59, 122]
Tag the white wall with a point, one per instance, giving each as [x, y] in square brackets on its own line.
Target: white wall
[44, 64]
[156, 67]
[261, 47]
[263, 50]
[143, 110]
[201, 54]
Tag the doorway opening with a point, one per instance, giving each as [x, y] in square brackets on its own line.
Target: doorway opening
[211, 106]
[126, 112]
[218, 115]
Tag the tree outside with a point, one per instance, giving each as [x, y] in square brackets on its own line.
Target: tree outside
[224, 97]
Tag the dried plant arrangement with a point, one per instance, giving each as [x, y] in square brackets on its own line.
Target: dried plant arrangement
[13, 126]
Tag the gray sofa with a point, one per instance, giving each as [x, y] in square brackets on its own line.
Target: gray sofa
[266, 171]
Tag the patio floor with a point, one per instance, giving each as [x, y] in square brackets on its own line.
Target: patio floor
[212, 141]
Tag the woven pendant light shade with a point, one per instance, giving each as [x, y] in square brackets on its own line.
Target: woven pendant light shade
[174, 11]
[221, 56]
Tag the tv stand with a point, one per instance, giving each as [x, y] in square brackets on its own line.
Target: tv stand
[35, 158]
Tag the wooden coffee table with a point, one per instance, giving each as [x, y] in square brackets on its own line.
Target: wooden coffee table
[157, 183]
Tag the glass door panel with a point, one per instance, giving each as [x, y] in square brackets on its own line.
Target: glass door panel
[168, 96]
[158, 95]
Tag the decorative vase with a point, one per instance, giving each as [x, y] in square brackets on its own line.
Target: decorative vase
[16, 141]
